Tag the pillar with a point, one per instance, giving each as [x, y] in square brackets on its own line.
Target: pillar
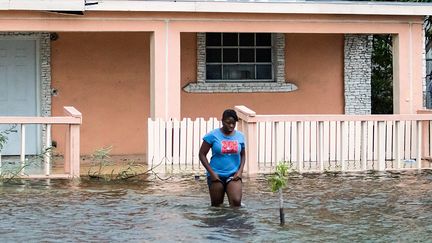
[407, 70]
[165, 72]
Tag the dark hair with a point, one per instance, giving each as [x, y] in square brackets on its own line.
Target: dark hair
[230, 113]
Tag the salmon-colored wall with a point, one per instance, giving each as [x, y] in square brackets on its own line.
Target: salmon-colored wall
[314, 62]
[106, 77]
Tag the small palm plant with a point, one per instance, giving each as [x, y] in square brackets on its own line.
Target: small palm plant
[278, 182]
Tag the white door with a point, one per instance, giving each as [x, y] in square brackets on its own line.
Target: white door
[18, 91]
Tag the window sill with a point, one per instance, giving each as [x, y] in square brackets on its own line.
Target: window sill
[239, 87]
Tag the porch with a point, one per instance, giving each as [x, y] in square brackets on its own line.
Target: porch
[156, 67]
[20, 168]
[309, 143]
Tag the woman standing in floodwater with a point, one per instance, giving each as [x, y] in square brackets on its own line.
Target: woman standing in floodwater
[224, 172]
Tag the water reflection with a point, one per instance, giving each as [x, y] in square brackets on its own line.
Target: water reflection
[224, 222]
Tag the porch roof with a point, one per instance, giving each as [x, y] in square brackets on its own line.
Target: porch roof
[226, 6]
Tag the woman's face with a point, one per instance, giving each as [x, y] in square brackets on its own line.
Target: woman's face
[228, 125]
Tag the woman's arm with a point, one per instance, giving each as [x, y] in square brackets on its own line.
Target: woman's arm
[238, 174]
[205, 147]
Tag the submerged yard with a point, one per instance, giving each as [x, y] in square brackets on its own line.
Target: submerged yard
[322, 207]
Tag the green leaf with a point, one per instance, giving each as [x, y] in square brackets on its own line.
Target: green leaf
[279, 179]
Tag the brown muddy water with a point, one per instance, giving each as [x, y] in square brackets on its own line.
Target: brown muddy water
[368, 207]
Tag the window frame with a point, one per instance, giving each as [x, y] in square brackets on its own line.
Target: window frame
[239, 47]
[279, 85]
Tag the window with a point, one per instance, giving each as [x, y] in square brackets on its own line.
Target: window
[239, 57]
[240, 63]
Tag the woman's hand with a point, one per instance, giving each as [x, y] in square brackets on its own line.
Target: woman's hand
[237, 175]
[214, 177]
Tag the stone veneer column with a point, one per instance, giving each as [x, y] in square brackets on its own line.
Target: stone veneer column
[357, 74]
[201, 57]
[45, 73]
[425, 70]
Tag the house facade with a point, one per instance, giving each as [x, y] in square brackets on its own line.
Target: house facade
[120, 62]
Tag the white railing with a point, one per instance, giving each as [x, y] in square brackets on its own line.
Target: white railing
[310, 143]
[318, 143]
[175, 144]
[72, 120]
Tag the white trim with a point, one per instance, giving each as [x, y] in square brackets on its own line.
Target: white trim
[231, 19]
[166, 65]
[60, 5]
[410, 73]
[355, 8]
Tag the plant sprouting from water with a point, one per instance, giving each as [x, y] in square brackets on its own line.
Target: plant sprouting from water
[127, 172]
[279, 179]
[4, 136]
[278, 182]
[103, 167]
[7, 174]
[15, 169]
[3, 140]
[101, 161]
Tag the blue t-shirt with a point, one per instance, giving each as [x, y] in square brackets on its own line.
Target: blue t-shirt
[225, 160]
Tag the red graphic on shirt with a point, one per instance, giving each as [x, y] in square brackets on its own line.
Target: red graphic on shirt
[229, 147]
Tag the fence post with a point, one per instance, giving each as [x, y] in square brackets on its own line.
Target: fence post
[381, 146]
[399, 133]
[47, 151]
[67, 156]
[425, 139]
[251, 150]
[363, 145]
[299, 141]
[250, 130]
[419, 144]
[23, 148]
[320, 155]
[72, 154]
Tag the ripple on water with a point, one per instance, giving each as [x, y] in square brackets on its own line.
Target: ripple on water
[351, 207]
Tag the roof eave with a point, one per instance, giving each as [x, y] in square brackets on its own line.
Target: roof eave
[351, 8]
[48, 5]
[354, 8]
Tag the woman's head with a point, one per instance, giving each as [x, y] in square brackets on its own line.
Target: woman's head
[229, 119]
[230, 113]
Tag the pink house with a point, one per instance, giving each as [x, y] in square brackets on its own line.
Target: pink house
[121, 62]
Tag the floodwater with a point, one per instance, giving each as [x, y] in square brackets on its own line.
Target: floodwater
[319, 208]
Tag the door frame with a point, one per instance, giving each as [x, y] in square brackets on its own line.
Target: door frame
[40, 72]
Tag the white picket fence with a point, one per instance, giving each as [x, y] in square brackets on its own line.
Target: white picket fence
[323, 143]
[175, 144]
[343, 145]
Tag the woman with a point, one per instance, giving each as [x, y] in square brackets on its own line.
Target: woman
[224, 172]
